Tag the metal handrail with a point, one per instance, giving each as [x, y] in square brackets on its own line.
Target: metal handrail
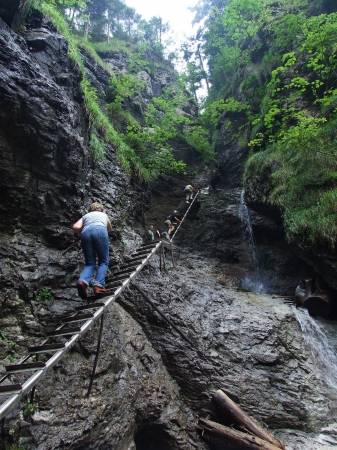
[182, 220]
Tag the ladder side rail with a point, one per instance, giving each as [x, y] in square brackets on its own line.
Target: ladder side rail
[184, 216]
[40, 374]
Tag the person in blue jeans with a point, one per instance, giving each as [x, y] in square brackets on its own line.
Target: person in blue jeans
[93, 229]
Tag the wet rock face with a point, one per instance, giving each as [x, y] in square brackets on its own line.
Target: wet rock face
[250, 346]
[48, 179]
[133, 403]
[218, 229]
[8, 9]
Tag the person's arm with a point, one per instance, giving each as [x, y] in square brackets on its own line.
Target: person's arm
[77, 227]
[109, 226]
[157, 231]
[176, 218]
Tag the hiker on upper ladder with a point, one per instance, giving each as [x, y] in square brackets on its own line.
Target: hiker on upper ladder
[189, 190]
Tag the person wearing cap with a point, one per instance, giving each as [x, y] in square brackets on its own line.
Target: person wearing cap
[93, 228]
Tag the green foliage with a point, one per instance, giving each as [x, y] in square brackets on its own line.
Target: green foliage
[99, 122]
[43, 295]
[213, 110]
[147, 150]
[126, 86]
[29, 410]
[270, 61]
[301, 170]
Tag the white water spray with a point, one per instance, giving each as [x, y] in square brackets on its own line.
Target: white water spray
[254, 281]
[320, 337]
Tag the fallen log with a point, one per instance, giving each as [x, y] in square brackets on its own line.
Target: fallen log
[241, 419]
[316, 301]
[232, 439]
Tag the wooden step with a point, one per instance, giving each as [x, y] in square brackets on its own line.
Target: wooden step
[121, 277]
[148, 246]
[10, 389]
[17, 368]
[46, 348]
[129, 266]
[90, 306]
[78, 318]
[122, 272]
[134, 260]
[113, 284]
[64, 332]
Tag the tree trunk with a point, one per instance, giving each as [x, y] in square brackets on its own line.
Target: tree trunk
[86, 29]
[232, 439]
[241, 419]
[202, 67]
[316, 301]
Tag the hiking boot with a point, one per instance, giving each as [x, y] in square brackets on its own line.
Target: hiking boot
[99, 290]
[82, 289]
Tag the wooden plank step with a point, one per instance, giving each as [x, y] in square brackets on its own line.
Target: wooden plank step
[115, 284]
[46, 348]
[148, 246]
[10, 389]
[77, 318]
[64, 332]
[121, 277]
[108, 293]
[122, 272]
[90, 306]
[134, 261]
[132, 264]
[16, 368]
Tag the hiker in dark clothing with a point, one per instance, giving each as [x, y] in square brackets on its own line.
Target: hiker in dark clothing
[172, 220]
[161, 233]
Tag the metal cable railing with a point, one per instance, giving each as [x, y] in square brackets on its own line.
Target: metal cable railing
[182, 220]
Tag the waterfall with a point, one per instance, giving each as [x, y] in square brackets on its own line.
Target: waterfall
[254, 281]
[320, 337]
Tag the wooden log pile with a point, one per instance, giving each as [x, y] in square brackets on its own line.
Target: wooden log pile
[252, 436]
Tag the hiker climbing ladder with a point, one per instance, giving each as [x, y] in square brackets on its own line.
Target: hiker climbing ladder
[89, 314]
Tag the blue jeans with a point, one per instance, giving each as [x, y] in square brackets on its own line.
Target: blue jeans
[94, 242]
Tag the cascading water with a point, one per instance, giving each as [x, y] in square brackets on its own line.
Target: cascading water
[254, 281]
[320, 337]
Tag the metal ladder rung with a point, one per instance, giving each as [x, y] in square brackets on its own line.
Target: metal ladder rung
[10, 389]
[64, 332]
[16, 368]
[77, 318]
[46, 348]
[90, 306]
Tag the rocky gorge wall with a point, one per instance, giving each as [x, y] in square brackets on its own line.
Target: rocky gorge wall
[150, 385]
[48, 179]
